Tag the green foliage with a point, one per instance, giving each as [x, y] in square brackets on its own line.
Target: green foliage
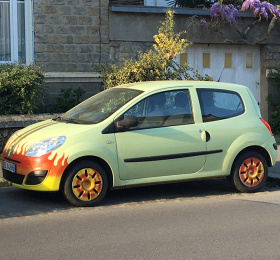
[67, 98]
[157, 64]
[21, 88]
[274, 2]
[274, 101]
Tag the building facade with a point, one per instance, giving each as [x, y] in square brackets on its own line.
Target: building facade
[64, 37]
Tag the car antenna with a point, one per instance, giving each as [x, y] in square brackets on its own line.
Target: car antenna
[221, 75]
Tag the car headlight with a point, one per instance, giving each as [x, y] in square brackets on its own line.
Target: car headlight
[45, 146]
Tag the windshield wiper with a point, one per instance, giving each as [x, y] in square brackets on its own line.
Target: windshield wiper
[56, 118]
[67, 120]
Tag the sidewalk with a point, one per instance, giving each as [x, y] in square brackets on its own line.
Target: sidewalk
[273, 172]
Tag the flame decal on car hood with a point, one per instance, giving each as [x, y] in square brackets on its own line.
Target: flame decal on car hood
[15, 145]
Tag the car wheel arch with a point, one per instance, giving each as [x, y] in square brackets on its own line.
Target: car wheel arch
[95, 159]
[238, 147]
[258, 149]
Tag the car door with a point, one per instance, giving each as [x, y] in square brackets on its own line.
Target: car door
[223, 117]
[166, 142]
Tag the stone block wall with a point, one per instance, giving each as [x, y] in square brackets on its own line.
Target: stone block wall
[12, 123]
[70, 35]
[120, 51]
[271, 56]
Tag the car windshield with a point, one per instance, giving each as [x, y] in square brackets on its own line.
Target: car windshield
[100, 106]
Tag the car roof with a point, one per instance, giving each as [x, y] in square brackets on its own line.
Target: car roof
[148, 86]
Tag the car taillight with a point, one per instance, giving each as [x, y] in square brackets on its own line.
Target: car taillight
[267, 126]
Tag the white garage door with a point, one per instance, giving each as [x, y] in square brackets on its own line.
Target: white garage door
[227, 63]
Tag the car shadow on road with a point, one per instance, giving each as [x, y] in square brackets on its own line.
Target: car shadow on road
[16, 202]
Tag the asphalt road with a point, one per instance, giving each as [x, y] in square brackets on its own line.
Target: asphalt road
[195, 220]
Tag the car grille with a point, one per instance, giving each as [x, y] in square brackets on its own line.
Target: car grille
[13, 177]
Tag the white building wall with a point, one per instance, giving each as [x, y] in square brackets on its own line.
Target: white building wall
[238, 73]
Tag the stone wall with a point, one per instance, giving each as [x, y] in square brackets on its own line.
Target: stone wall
[70, 34]
[120, 51]
[271, 56]
[12, 123]
[55, 81]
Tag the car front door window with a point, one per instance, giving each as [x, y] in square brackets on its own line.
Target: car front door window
[168, 108]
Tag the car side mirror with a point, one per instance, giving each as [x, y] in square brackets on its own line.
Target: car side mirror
[128, 121]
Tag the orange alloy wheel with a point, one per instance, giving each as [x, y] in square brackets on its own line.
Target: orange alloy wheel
[87, 184]
[251, 172]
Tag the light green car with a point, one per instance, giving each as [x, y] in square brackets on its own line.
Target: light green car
[145, 133]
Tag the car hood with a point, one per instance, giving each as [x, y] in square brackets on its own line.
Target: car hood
[26, 137]
[48, 129]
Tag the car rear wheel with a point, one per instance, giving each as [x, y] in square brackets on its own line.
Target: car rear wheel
[249, 172]
[86, 184]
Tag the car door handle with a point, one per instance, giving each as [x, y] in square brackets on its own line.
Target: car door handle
[205, 136]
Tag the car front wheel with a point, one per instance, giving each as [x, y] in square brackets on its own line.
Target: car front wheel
[86, 184]
[249, 172]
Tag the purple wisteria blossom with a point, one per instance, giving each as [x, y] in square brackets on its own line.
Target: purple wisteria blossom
[203, 23]
[225, 12]
[263, 9]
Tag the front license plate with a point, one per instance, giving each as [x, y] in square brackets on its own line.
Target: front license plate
[9, 166]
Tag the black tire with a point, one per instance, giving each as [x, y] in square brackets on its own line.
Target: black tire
[249, 172]
[86, 184]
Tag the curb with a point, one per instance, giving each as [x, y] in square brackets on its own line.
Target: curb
[4, 183]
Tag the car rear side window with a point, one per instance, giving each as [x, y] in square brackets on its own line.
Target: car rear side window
[219, 104]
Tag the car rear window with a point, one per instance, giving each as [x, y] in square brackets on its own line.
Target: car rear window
[219, 104]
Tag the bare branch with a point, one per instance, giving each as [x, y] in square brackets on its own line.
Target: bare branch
[270, 28]
[250, 27]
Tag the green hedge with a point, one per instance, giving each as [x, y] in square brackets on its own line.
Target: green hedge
[67, 98]
[21, 88]
[274, 102]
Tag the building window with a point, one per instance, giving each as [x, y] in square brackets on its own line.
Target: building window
[5, 35]
[183, 58]
[15, 17]
[228, 60]
[21, 31]
[249, 61]
[206, 60]
[161, 3]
